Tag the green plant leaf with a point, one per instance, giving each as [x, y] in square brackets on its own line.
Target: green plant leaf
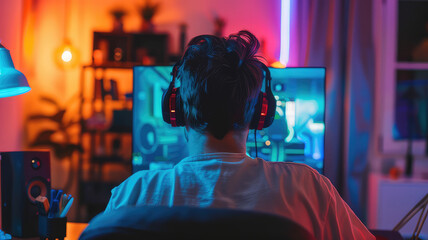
[149, 10]
[71, 148]
[62, 151]
[50, 100]
[37, 117]
[59, 116]
[71, 123]
[57, 150]
[43, 138]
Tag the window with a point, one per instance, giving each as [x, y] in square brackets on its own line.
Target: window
[405, 75]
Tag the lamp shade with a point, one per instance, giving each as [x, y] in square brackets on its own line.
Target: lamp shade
[12, 81]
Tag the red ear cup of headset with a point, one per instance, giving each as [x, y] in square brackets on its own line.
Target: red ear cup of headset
[172, 107]
[264, 110]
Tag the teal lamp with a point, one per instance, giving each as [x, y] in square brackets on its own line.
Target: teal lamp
[12, 81]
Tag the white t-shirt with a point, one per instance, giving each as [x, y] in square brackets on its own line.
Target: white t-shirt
[232, 180]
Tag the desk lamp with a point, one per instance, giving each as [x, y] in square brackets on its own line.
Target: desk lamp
[12, 81]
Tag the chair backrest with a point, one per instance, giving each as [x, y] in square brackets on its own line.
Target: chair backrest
[386, 235]
[191, 223]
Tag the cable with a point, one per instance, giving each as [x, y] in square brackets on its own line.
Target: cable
[255, 140]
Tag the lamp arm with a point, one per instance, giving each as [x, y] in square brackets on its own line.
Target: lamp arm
[420, 205]
[420, 224]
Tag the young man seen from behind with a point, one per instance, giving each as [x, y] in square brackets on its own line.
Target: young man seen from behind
[220, 88]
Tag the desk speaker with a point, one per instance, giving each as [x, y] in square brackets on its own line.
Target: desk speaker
[24, 177]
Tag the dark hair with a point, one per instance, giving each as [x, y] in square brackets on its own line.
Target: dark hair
[220, 79]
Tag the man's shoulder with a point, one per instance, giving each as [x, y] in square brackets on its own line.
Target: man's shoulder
[137, 188]
[143, 177]
[292, 167]
[297, 173]
[149, 175]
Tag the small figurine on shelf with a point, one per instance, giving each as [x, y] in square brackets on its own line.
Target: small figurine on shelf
[219, 24]
[183, 37]
[144, 57]
[118, 14]
[148, 11]
[97, 122]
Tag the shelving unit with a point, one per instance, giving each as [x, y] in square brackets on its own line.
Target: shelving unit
[102, 166]
[105, 131]
[130, 48]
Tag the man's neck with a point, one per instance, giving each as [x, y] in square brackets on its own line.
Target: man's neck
[233, 142]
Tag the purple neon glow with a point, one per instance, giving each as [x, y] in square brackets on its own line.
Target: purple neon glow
[284, 54]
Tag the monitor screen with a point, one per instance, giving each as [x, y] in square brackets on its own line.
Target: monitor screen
[296, 135]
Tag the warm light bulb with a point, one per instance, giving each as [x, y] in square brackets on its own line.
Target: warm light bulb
[66, 56]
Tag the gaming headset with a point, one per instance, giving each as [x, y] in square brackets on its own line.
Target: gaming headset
[263, 116]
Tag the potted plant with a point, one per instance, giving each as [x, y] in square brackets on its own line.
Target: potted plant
[118, 14]
[147, 12]
[58, 136]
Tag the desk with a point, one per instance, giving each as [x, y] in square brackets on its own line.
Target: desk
[74, 230]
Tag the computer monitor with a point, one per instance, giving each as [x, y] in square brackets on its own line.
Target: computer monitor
[296, 135]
